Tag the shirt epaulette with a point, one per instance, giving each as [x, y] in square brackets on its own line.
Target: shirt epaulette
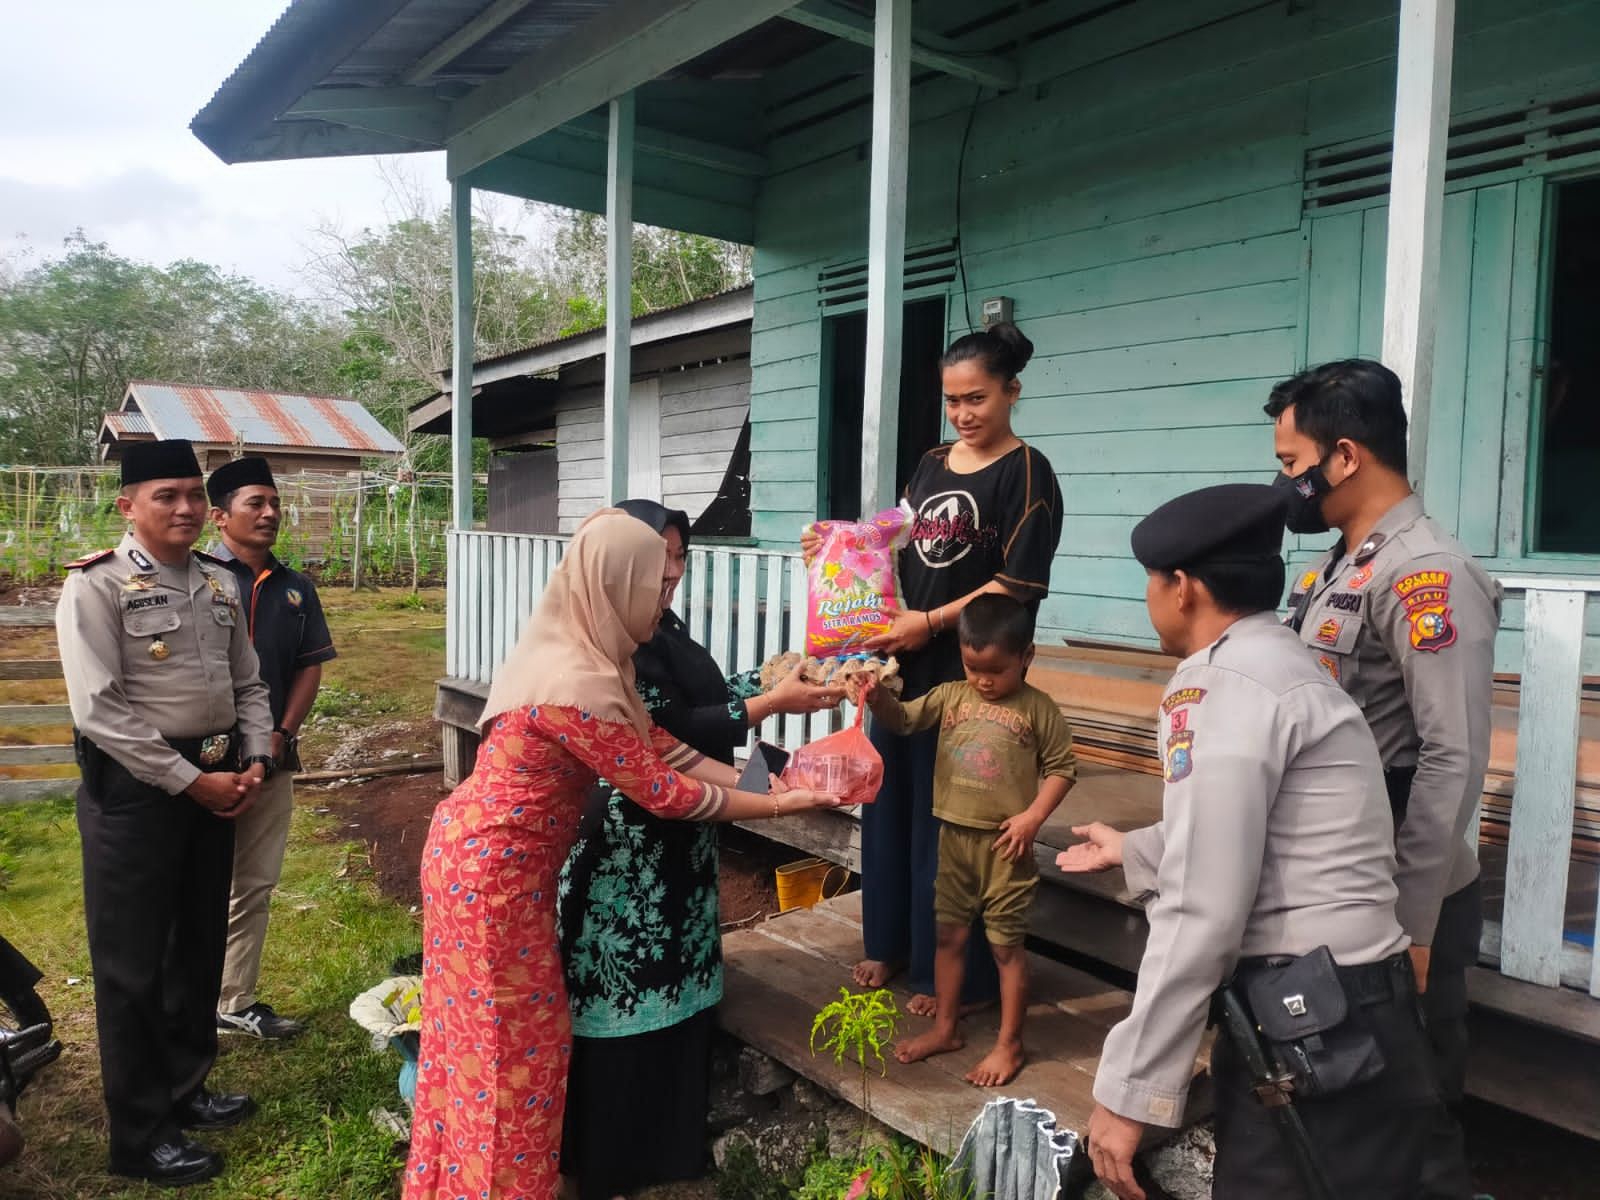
[88, 560]
[210, 558]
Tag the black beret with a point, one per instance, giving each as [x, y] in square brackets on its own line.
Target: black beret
[172, 459]
[241, 472]
[1230, 523]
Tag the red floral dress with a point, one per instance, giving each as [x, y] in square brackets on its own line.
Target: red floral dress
[496, 1038]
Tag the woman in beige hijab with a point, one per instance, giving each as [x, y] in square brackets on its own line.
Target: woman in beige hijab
[563, 710]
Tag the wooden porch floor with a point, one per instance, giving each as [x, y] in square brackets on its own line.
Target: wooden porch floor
[780, 973]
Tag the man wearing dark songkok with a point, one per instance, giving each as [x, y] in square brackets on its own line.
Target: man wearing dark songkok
[173, 736]
[1271, 867]
[290, 636]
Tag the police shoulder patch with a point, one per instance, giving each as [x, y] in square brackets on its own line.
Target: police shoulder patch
[1180, 756]
[88, 560]
[1177, 699]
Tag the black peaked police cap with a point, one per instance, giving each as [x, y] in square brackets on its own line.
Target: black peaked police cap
[172, 459]
[1231, 523]
[241, 472]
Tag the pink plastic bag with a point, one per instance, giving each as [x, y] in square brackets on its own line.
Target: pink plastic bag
[843, 764]
[851, 584]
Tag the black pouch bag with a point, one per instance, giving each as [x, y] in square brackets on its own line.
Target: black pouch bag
[1309, 1025]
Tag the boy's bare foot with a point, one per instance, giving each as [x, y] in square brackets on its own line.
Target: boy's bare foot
[999, 1066]
[922, 1005]
[927, 1045]
[872, 973]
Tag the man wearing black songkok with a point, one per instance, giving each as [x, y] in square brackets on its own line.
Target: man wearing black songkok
[173, 737]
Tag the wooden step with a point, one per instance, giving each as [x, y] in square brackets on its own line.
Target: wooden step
[780, 973]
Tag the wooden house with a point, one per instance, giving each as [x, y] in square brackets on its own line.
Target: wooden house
[1180, 201]
[542, 410]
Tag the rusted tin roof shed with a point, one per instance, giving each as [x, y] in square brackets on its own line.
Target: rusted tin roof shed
[282, 422]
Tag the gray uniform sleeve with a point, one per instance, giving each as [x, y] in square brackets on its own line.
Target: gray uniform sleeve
[89, 635]
[1442, 638]
[1141, 858]
[1215, 813]
[252, 702]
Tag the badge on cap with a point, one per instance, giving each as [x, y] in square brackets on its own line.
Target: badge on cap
[142, 560]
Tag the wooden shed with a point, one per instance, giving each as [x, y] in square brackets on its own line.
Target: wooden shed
[543, 411]
[1180, 201]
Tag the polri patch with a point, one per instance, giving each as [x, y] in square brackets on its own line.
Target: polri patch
[1189, 695]
[1349, 602]
[1180, 756]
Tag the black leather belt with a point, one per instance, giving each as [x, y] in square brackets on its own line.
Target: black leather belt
[213, 752]
[1364, 983]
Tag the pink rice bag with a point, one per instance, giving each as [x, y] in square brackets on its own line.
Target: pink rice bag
[851, 585]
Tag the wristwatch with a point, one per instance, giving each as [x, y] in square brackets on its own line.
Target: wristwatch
[268, 766]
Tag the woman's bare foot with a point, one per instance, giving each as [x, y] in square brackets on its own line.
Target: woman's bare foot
[873, 973]
[927, 1045]
[999, 1066]
[922, 1005]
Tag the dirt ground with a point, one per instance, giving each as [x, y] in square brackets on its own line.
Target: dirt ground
[391, 816]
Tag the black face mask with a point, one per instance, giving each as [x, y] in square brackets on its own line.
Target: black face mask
[1306, 492]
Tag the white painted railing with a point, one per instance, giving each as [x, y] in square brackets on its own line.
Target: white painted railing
[1530, 938]
[742, 604]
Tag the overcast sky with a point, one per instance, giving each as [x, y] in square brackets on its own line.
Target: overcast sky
[95, 103]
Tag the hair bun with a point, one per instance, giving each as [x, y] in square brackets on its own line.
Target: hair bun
[1018, 349]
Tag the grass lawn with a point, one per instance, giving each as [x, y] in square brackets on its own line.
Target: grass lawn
[332, 936]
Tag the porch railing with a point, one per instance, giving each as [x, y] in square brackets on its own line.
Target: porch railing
[744, 605]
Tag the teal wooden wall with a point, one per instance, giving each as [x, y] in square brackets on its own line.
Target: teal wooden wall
[1140, 199]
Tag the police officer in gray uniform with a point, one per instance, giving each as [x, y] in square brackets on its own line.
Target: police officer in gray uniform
[1403, 619]
[1273, 865]
[173, 735]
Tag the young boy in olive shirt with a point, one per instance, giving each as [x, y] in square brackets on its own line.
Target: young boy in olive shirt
[1004, 763]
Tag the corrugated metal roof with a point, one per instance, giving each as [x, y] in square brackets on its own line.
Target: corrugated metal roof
[224, 416]
[121, 423]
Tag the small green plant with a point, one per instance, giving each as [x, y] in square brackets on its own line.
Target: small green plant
[859, 1022]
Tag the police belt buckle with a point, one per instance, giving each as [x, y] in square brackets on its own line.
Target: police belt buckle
[215, 748]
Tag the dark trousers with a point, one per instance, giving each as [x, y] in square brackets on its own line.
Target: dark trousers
[156, 874]
[1444, 1008]
[1369, 1139]
[899, 860]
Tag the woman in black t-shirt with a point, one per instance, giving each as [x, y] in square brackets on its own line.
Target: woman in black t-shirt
[988, 519]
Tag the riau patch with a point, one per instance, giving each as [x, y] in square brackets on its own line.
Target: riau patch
[1330, 665]
[1360, 578]
[293, 596]
[1426, 597]
[1328, 631]
[1190, 695]
[1180, 756]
